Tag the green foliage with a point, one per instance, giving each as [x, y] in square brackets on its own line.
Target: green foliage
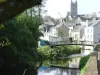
[44, 51]
[83, 62]
[57, 55]
[82, 71]
[61, 63]
[16, 7]
[19, 37]
[97, 48]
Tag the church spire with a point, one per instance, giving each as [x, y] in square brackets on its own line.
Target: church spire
[74, 8]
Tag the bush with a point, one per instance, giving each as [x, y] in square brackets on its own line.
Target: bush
[57, 54]
[44, 51]
[97, 48]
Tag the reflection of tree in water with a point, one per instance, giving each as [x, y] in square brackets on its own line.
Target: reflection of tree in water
[48, 70]
[65, 72]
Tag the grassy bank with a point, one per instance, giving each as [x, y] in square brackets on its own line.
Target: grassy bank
[82, 64]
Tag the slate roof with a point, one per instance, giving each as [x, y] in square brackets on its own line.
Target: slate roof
[93, 23]
[77, 28]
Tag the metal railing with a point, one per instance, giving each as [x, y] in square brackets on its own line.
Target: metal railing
[87, 43]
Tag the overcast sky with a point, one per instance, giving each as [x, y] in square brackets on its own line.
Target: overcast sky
[63, 6]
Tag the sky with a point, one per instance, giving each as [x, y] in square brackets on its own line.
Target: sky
[59, 8]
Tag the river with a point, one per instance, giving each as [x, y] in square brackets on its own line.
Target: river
[57, 71]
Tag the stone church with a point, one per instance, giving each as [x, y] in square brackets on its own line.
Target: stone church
[73, 14]
[74, 8]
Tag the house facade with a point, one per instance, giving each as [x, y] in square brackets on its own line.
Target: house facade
[58, 33]
[92, 31]
[90, 34]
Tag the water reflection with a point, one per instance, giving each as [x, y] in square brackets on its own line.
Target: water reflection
[57, 71]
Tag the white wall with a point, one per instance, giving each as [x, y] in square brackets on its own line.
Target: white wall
[76, 36]
[63, 30]
[70, 31]
[89, 34]
[98, 14]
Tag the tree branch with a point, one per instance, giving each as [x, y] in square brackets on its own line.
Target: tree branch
[12, 8]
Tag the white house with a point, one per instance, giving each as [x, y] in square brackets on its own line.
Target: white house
[70, 29]
[56, 33]
[77, 29]
[92, 31]
[96, 30]
[91, 34]
[80, 31]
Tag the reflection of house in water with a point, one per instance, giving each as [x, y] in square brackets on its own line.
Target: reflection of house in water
[59, 71]
[47, 70]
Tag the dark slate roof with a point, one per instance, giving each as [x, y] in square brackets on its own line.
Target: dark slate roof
[77, 28]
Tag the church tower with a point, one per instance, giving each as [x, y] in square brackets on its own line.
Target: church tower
[74, 8]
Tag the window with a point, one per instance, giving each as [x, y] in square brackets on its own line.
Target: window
[88, 30]
[91, 36]
[91, 30]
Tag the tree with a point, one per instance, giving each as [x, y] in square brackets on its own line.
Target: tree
[22, 35]
[19, 41]
[11, 8]
[36, 10]
[49, 19]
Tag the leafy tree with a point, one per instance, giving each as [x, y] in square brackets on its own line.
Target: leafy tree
[18, 38]
[11, 8]
[21, 35]
[57, 53]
